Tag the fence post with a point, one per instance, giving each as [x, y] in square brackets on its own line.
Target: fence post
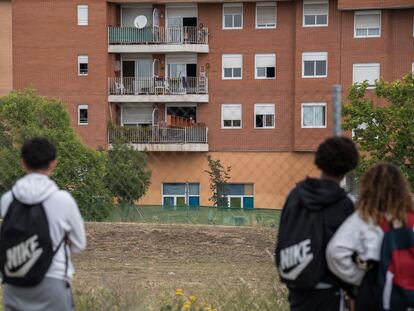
[337, 115]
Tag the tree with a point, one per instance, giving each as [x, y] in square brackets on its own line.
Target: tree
[218, 180]
[383, 132]
[126, 175]
[80, 169]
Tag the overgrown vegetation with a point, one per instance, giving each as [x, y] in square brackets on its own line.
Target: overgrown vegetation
[81, 170]
[126, 175]
[384, 132]
[218, 180]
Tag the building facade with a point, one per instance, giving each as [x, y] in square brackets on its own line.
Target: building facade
[248, 83]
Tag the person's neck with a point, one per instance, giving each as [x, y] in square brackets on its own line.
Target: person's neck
[335, 179]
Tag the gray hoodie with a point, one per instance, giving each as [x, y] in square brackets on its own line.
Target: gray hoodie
[355, 236]
[61, 211]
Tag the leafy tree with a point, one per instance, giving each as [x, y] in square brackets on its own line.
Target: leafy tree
[383, 132]
[218, 181]
[126, 175]
[80, 169]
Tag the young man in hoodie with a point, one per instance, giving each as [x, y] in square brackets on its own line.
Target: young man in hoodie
[313, 211]
[62, 213]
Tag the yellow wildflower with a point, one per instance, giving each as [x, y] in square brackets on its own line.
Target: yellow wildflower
[178, 292]
[187, 305]
[193, 298]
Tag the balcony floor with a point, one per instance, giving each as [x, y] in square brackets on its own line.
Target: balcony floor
[184, 98]
[158, 48]
[170, 147]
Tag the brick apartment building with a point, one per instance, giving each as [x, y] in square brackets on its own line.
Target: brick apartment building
[248, 83]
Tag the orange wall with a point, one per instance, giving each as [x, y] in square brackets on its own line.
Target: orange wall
[272, 173]
[6, 56]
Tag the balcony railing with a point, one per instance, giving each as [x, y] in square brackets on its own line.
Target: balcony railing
[159, 135]
[158, 35]
[158, 86]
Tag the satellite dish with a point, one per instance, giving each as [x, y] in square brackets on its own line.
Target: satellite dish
[140, 21]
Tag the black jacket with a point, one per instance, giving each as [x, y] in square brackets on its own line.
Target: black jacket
[315, 208]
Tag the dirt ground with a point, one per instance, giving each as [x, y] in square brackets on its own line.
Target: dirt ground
[157, 259]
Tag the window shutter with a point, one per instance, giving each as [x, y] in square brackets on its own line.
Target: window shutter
[231, 112]
[137, 115]
[266, 14]
[264, 109]
[83, 59]
[233, 9]
[362, 72]
[315, 9]
[314, 56]
[266, 60]
[367, 20]
[82, 15]
[232, 61]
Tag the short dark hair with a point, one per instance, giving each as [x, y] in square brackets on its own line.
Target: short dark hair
[38, 152]
[337, 156]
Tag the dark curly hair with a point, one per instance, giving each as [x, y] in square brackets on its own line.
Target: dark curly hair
[38, 152]
[337, 156]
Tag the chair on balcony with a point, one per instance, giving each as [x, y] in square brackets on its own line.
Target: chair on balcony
[119, 88]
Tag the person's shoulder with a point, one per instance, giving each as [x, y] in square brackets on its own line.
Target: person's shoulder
[5, 201]
[64, 197]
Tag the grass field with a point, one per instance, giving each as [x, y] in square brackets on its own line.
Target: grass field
[130, 266]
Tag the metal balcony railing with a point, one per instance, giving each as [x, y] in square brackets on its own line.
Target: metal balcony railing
[159, 135]
[158, 35]
[158, 86]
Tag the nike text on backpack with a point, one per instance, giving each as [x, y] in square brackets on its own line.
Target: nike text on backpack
[26, 250]
[396, 268]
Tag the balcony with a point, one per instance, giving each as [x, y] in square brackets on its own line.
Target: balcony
[157, 40]
[162, 139]
[161, 90]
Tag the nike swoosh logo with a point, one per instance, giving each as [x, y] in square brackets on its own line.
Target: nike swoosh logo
[26, 267]
[293, 274]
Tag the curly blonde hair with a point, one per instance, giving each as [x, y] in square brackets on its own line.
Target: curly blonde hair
[384, 191]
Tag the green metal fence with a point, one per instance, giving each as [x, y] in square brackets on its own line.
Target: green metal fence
[195, 215]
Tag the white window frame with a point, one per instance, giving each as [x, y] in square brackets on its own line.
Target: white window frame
[79, 63]
[232, 5]
[186, 196]
[83, 22]
[255, 67]
[241, 117]
[79, 109]
[241, 197]
[266, 4]
[314, 104]
[274, 116]
[317, 55]
[371, 12]
[315, 2]
[222, 67]
[370, 87]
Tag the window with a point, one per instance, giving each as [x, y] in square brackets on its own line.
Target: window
[265, 66]
[239, 195]
[82, 65]
[83, 115]
[233, 16]
[314, 115]
[232, 66]
[266, 15]
[264, 115]
[315, 13]
[366, 72]
[82, 15]
[181, 194]
[314, 65]
[231, 116]
[367, 24]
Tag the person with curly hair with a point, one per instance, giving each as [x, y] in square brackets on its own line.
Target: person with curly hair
[313, 211]
[354, 251]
